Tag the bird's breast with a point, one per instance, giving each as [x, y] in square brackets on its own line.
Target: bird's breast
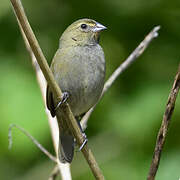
[81, 73]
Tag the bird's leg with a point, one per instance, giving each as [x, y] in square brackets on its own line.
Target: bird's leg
[65, 96]
[84, 142]
[84, 135]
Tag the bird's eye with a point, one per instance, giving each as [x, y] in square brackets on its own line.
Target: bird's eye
[83, 26]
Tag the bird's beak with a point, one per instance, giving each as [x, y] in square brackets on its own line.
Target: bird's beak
[98, 27]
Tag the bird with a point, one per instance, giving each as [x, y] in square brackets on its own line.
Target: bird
[79, 69]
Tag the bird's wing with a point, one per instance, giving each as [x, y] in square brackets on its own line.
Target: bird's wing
[50, 101]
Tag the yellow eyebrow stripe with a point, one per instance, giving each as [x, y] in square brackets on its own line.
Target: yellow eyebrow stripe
[88, 23]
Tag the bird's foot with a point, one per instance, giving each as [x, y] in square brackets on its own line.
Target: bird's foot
[83, 134]
[84, 142]
[65, 96]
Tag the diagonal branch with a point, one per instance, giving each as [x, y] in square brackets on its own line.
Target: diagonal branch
[54, 173]
[132, 57]
[164, 127]
[19, 11]
[63, 168]
[32, 139]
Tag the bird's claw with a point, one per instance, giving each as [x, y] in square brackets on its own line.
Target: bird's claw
[65, 96]
[84, 142]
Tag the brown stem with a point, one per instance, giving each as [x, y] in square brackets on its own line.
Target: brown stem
[64, 169]
[164, 127]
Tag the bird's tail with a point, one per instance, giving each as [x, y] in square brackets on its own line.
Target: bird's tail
[66, 148]
[66, 140]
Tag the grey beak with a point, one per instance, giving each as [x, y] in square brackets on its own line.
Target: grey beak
[99, 27]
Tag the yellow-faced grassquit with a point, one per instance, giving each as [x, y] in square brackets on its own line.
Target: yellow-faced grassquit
[79, 69]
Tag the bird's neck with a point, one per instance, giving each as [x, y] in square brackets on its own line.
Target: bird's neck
[78, 41]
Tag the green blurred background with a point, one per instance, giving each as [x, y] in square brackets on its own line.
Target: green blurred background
[122, 130]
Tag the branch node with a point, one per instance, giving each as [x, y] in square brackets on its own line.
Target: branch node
[155, 31]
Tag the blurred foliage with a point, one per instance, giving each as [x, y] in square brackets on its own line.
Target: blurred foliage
[122, 130]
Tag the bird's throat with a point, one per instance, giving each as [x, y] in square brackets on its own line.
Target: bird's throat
[97, 37]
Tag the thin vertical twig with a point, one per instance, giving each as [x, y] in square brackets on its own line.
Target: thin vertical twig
[164, 127]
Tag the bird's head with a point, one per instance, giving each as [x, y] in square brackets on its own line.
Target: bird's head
[82, 32]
